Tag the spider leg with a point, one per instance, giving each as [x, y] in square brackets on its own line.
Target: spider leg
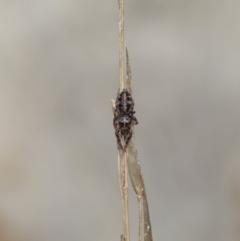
[134, 120]
[129, 136]
[115, 122]
[117, 133]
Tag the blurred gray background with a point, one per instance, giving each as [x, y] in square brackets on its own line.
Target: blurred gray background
[58, 157]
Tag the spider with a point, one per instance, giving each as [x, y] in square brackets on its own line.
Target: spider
[124, 118]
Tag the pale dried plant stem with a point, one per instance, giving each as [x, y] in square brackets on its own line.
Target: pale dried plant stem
[128, 161]
[122, 158]
[129, 73]
[138, 188]
[123, 184]
[121, 44]
[140, 212]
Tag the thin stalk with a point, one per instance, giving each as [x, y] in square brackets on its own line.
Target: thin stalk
[128, 160]
[125, 200]
[140, 212]
[121, 44]
[123, 184]
[129, 73]
[122, 158]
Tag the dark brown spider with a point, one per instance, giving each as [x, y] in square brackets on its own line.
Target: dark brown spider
[124, 118]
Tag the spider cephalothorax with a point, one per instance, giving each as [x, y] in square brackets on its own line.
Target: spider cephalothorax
[124, 118]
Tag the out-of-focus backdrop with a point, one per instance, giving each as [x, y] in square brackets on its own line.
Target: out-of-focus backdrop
[58, 157]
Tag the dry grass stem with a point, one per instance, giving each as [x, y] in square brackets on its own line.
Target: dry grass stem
[128, 161]
[122, 159]
[123, 185]
[140, 213]
[129, 73]
[139, 188]
[147, 222]
[121, 44]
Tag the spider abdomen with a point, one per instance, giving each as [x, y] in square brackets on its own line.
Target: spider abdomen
[124, 102]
